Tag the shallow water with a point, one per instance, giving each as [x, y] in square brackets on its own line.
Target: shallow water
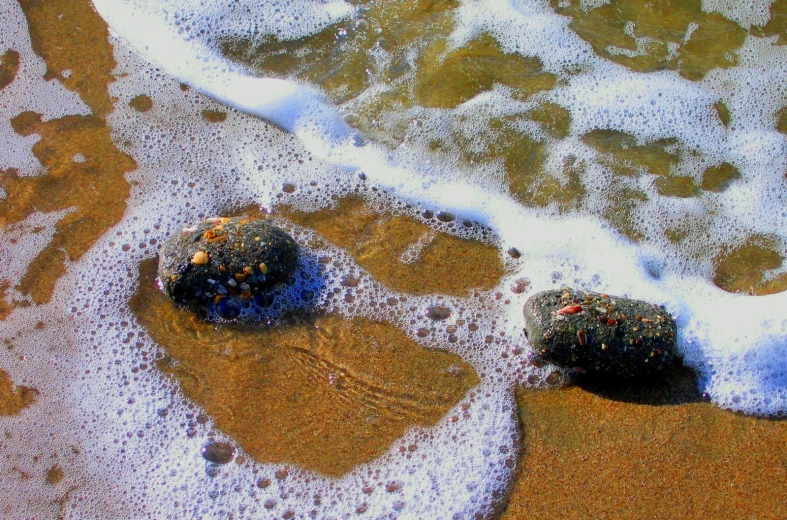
[444, 159]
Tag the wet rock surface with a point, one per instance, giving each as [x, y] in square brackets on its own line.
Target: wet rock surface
[600, 334]
[224, 257]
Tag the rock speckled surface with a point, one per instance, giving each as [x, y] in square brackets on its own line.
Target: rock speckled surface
[225, 257]
[602, 334]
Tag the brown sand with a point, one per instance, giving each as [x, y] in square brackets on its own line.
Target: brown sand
[443, 264]
[321, 392]
[588, 456]
[9, 65]
[14, 400]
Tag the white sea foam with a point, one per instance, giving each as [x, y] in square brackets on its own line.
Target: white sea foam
[107, 408]
[650, 106]
[745, 12]
[29, 91]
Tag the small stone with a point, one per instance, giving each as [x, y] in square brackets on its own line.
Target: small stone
[211, 258]
[200, 258]
[218, 452]
[444, 216]
[588, 337]
[438, 313]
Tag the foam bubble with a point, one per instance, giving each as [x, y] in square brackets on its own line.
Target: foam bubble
[747, 13]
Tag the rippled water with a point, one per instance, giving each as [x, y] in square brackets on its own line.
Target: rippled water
[440, 162]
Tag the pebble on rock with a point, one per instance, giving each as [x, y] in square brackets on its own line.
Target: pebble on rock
[601, 334]
[225, 257]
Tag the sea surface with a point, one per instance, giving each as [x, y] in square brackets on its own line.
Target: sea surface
[439, 162]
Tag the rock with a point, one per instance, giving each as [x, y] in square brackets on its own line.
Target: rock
[438, 313]
[218, 452]
[597, 333]
[221, 257]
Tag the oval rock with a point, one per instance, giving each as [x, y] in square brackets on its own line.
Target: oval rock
[221, 257]
[218, 452]
[598, 333]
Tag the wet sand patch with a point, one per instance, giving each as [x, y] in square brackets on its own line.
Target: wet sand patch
[402, 253]
[651, 36]
[317, 391]
[73, 41]
[588, 456]
[746, 267]
[9, 66]
[84, 169]
[14, 399]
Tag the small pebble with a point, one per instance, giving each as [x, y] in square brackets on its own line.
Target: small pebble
[200, 258]
[218, 452]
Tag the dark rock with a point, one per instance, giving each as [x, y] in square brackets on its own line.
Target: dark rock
[218, 452]
[438, 313]
[444, 216]
[223, 257]
[600, 334]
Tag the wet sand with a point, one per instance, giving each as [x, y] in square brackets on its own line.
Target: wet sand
[14, 399]
[382, 243]
[585, 454]
[588, 456]
[318, 391]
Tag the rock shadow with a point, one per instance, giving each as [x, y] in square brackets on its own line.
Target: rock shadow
[679, 385]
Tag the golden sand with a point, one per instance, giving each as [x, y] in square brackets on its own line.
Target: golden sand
[317, 391]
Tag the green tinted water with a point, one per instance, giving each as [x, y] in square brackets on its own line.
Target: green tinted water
[393, 66]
